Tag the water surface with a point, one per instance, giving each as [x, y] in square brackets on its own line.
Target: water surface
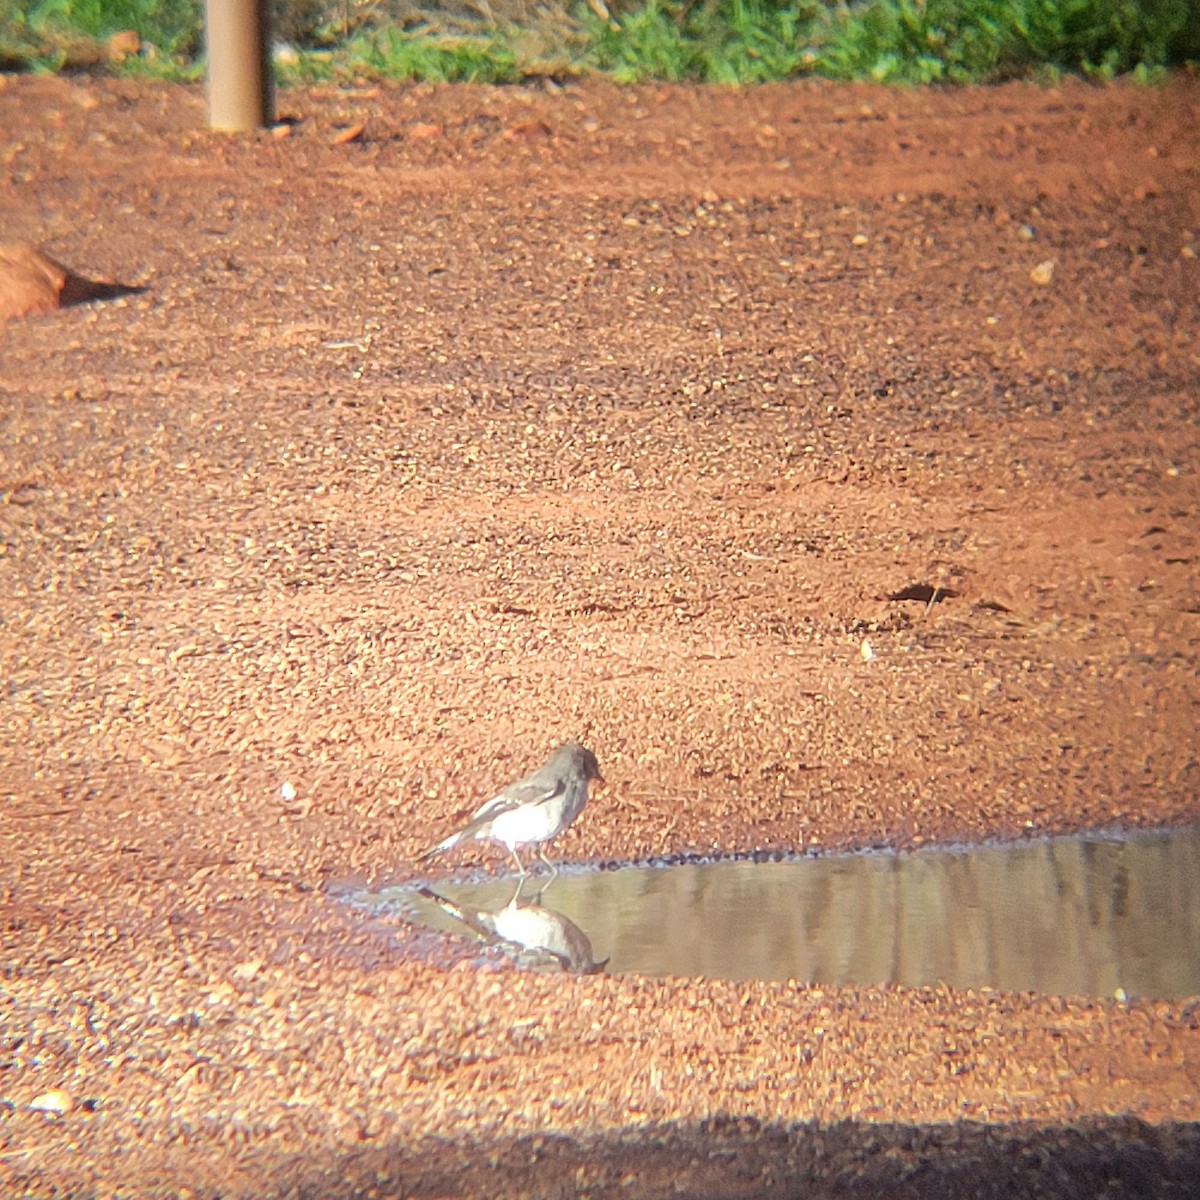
[1095, 915]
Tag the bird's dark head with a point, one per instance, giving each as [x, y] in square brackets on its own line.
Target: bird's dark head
[582, 759]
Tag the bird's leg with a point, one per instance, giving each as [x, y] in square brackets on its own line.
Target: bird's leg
[552, 866]
[520, 869]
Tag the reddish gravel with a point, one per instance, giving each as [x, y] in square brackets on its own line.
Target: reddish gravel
[618, 415]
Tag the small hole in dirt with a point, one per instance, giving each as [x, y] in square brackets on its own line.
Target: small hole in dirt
[926, 593]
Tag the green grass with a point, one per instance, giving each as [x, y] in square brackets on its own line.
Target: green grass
[396, 54]
[46, 34]
[895, 41]
[718, 41]
[736, 41]
[952, 41]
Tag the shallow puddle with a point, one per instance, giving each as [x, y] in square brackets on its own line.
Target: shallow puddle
[1096, 915]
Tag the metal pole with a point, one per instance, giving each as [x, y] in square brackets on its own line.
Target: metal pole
[241, 94]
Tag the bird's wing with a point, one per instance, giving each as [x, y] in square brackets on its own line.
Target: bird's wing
[518, 795]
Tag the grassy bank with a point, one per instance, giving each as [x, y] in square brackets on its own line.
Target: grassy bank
[722, 41]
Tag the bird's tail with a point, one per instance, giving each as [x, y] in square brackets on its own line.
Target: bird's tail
[447, 843]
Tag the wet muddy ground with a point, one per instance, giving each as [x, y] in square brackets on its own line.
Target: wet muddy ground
[824, 458]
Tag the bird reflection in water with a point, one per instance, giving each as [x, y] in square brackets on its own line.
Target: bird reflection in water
[528, 925]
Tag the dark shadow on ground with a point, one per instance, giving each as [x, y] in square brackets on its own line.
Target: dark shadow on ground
[78, 290]
[728, 1158]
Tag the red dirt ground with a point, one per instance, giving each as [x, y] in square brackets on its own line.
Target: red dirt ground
[617, 415]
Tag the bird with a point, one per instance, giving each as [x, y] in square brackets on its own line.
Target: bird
[534, 809]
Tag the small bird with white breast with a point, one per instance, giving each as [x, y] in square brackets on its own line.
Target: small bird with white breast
[534, 809]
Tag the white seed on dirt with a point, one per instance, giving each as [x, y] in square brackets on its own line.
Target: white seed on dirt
[1043, 273]
[55, 1103]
